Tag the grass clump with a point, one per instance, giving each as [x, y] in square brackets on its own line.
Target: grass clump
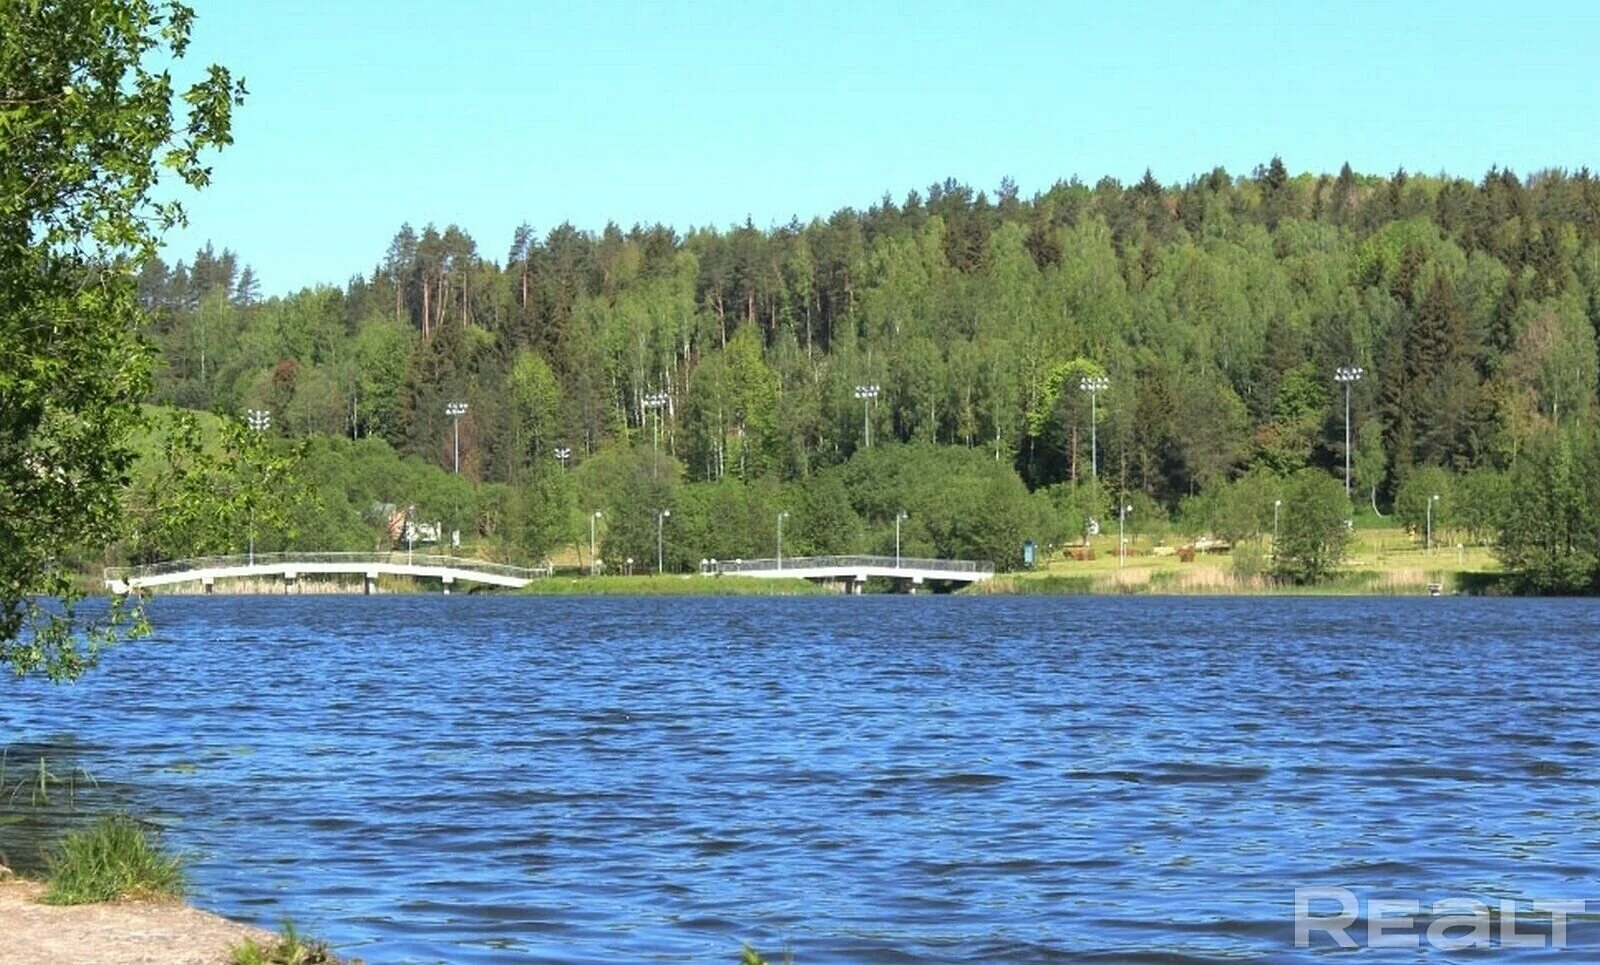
[289, 949]
[113, 858]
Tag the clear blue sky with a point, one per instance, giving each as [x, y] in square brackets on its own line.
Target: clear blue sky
[364, 114]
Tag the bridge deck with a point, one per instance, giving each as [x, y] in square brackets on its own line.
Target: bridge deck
[289, 566]
[855, 568]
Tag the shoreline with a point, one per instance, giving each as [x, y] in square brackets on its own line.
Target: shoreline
[1147, 574]
[1213, 581]
[1132, 581]
[123, 932]
[1005, 585]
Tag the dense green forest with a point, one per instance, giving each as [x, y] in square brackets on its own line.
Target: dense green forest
[721, 373]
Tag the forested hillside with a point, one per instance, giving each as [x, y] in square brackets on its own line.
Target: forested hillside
[1218, 312]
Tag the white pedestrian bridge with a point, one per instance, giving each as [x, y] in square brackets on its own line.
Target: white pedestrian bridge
[290, 567]
[854, 569]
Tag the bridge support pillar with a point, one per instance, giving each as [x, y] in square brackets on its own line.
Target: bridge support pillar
[369, 585]
[208, 585]
[447, 581]
[289, 581]
[916, 581]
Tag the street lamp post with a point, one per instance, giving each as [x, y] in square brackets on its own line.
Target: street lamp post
[563, 453]
[1431, 500]
[455, 410]
[1347, 375]
[259, 420]
[594, 562]
[781, 517]
[1276, 504]
[661, 519]
[866, 393]
[898, 519]
[655, 402]
[1094, 385]
[1122, 541]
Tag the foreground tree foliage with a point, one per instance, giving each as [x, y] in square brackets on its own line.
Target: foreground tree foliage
[89, 128]
[202, 498]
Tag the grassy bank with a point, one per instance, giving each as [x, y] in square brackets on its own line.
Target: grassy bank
[1381, 561]
[1219, 581]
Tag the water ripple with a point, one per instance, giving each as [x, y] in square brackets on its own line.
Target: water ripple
[485, 779]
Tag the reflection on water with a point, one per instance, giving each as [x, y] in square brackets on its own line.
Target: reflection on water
[862, 779]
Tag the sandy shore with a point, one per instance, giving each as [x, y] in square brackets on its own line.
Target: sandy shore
[120, 933]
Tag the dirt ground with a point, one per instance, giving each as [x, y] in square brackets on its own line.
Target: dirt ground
[121, 933]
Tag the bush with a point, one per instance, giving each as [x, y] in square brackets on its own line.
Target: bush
[1314, 528]
[113, 858]
[1248, 560]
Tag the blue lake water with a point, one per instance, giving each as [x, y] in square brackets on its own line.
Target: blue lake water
[855, 779]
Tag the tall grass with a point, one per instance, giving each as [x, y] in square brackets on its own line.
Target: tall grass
[115, 857]
[289, 949]
[38, 780]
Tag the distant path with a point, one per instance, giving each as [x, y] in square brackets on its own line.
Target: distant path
[292, 566]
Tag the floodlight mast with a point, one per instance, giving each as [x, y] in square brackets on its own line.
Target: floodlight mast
[455, 410]
[866, 393]
[1094, 385]
[1347, 375]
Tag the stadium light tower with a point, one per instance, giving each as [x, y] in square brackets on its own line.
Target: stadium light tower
[1094, 385]
[866, 393]
[455, 410]
[1347, 375]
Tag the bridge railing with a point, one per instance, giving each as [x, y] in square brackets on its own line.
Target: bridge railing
[964, 567]
[126, 573]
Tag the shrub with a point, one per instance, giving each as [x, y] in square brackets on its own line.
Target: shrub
[1314, 531]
